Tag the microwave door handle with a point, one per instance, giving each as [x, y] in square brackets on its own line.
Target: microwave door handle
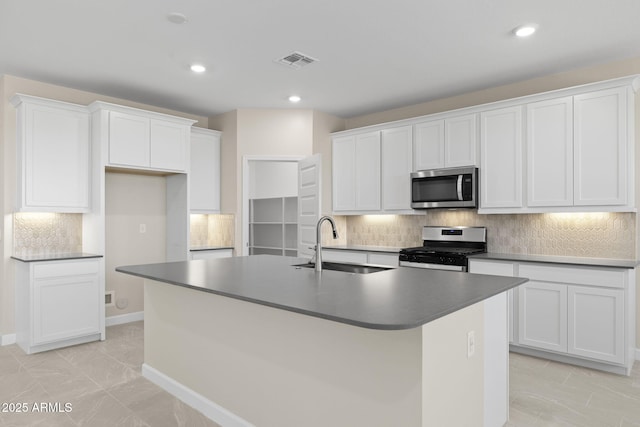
[459, 187]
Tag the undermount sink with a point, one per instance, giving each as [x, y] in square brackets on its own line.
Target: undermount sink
[347, 268]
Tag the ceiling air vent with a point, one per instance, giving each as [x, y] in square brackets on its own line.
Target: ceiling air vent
[296, 60]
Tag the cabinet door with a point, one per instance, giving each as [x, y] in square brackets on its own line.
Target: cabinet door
[396, 168]
[65, 307]
[600, 148]
[542, 315]
[461, 139]
[367, 165]
[429, 145]
[501, 165]
[596, 328]
[550, 153]
[204, 175]
[55, 160]
[168, 145]
[344, 173]
[128, 139]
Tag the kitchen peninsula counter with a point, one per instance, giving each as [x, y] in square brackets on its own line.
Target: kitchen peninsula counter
[257, 341]
[398, 298]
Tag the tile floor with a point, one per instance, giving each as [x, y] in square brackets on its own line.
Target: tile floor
[546, 393]
[101, 381]
[103, 384]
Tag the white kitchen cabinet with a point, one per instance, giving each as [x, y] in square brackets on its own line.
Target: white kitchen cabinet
[138, 139]
[53, 147]
[396, 170]
[128, 139]
[204, 173]
[211, 253]
[601, 148]
[169, 145]
[356, 172]
[550, 152]
[59, 303]
[542, 311]
[360, 257]
[596, 323]
[572, 313]
[501, 158]
[444, 143]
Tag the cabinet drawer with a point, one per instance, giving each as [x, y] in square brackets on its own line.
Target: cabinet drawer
[58, 269]
[593, 276]
[384, 259]
[344, 256]
[491, 267]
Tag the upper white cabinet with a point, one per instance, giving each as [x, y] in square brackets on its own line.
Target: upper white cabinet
[356, 172]
[501, 151]
[396, 168]
[447, 142]
[601, 145]
[142, 139]
[53, 155]
[550, 152]
[371, 171]
[204, 174]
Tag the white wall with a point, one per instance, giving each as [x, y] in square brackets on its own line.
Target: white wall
[132, 200]
[272, 179]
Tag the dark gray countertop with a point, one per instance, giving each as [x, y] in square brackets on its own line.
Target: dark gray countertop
[209, 248]
[364, 248]
[400, 298]
[54, 256]
[553, 259]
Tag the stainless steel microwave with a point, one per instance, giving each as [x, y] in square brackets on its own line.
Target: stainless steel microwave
[445, 188]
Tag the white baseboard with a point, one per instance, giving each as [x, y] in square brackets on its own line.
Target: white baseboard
[124, 318]
[7, 339]
[210, 409]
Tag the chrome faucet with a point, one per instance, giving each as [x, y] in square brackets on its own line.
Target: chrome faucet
[319, 239]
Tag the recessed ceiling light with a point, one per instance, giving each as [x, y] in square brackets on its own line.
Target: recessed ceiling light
[177, 18]
[198, 68]
[525, 30]
[294, 98]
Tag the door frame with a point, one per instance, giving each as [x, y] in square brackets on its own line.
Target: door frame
[245, 190]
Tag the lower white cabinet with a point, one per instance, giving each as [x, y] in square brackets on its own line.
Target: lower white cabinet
[59, 303]
[542, 315]
[360, 257]
[211, 253]
[572, 313]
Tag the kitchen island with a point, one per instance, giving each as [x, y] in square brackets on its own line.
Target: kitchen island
[258, 341]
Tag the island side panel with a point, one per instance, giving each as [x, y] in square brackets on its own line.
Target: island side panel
[452, 382]
[277, 368]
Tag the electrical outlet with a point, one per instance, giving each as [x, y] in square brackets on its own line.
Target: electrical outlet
[143, 228]
[110, 298]
[471, 343]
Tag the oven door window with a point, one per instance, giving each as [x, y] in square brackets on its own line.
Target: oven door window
[435, 189]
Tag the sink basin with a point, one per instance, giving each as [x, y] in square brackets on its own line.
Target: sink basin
[347, 268]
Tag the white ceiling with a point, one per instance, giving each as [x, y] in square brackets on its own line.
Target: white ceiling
[373, 54]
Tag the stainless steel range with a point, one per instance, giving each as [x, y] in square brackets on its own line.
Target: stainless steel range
[445, 248]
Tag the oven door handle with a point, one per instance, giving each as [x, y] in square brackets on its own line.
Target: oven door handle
[459, 187]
